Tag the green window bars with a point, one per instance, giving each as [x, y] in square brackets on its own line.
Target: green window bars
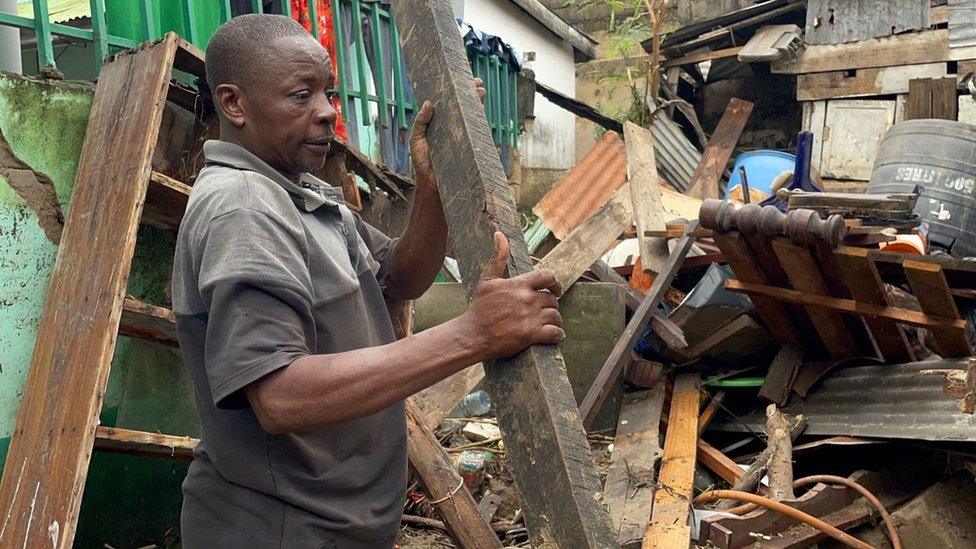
[384, 86]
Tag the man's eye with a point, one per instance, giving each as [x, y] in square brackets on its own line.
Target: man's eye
[331, 95]
[302, 95]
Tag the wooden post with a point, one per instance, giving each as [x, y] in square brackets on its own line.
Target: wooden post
[547, 449]
[704, 182]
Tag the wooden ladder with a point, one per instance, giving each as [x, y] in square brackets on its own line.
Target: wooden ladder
[86, 308]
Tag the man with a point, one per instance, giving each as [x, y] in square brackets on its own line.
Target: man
[279, 292]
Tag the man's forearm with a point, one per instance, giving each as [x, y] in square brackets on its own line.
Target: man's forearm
[419, 253]
[319, 390]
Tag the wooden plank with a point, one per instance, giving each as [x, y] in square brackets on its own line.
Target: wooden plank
[629, 489]
[914, 48]
[718, 463]
[645, 194]
[866, 286]
[146, 321]
[930, 287]
[669, 332]
[945, 100]
[708, 414]
[435, 402]
[587, 243]
[462, 516]
[47, 462]
[704, 56]
[781, 375]
[141, 443]
[190, 59]
[165, 202]
[863, 82]
[704, 182]
[669, 528]
[804, 275]
[845, 306]
[741, 337]
[436, 470]
[918, 104]
[746, 269]
[548, 453]
[620, 354]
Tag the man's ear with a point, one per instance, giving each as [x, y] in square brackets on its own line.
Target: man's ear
[230, 101]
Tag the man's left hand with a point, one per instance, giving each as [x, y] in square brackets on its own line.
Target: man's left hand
[420, 149]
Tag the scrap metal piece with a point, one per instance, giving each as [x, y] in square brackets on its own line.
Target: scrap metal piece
[772, 43]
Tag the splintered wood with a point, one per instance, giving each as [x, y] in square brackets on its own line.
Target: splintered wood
[629, 491]
[669, 528]
[548, 453]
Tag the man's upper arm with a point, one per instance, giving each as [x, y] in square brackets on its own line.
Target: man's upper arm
[255, 284]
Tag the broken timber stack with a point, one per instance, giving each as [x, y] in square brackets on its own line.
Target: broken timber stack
[830, 301]
[547, 447]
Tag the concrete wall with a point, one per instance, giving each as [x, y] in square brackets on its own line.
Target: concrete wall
[551, 142]
[129, 501]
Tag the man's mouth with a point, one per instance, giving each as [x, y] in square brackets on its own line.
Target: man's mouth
[319, 144]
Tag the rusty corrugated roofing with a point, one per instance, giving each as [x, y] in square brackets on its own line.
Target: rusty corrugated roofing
[586, 187]
[888, 401]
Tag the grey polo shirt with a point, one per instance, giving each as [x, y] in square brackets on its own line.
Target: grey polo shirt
[267, 271]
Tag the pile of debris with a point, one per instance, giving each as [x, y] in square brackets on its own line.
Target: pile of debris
[796, 363]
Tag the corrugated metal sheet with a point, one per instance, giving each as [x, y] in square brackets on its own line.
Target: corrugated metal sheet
[962, 23]
[59, 10]
[585, 188]
[887, 401]
[676, 157]
[839, 21]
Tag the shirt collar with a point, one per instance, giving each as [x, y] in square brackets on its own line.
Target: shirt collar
[312, 192]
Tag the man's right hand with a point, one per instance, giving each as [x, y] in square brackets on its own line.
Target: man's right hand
[506, 315]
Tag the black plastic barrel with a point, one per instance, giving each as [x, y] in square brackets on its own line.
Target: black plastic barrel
[940, 156]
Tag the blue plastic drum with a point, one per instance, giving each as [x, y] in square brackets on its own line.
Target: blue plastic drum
[762, 167]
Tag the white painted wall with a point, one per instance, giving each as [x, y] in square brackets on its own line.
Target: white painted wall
[551, 143]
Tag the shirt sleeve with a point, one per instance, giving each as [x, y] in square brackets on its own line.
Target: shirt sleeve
[256, 287]
[379, 245]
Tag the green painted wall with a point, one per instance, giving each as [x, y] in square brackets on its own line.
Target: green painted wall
[129, 501]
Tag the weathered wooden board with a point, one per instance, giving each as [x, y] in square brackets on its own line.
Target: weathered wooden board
[645, 193]
[587, 243]
[930, 287]
[436, 470]
[863, 82]
[435, 402]
[804, 276]
[146, 321]
[629, 490]
[547, 448]
[704, 182]
[165, 202]
[48, 458]
[930, 46]
[669, 528]
[140, 443]
[746, 269]
[931, 98]
[847, 306]
[865, 286]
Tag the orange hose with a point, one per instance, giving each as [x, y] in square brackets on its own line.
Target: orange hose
[833, 479]
[839, 535]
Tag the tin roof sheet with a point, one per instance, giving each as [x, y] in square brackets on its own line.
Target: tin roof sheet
[887, 401]
[586, 188]
[59, 10]
[840, 21]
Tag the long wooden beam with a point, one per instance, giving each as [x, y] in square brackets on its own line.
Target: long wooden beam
[847, 306]
[547, 448]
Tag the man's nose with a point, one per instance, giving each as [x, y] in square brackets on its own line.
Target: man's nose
[325, 113]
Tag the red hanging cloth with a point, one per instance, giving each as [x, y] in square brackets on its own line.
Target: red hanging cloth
[300, 13]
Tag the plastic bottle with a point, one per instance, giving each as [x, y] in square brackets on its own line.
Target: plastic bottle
[476, 404]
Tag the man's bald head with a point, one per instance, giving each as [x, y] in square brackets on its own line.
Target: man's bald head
[239, 50]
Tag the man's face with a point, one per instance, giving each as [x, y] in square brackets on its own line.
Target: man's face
[285, 113]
